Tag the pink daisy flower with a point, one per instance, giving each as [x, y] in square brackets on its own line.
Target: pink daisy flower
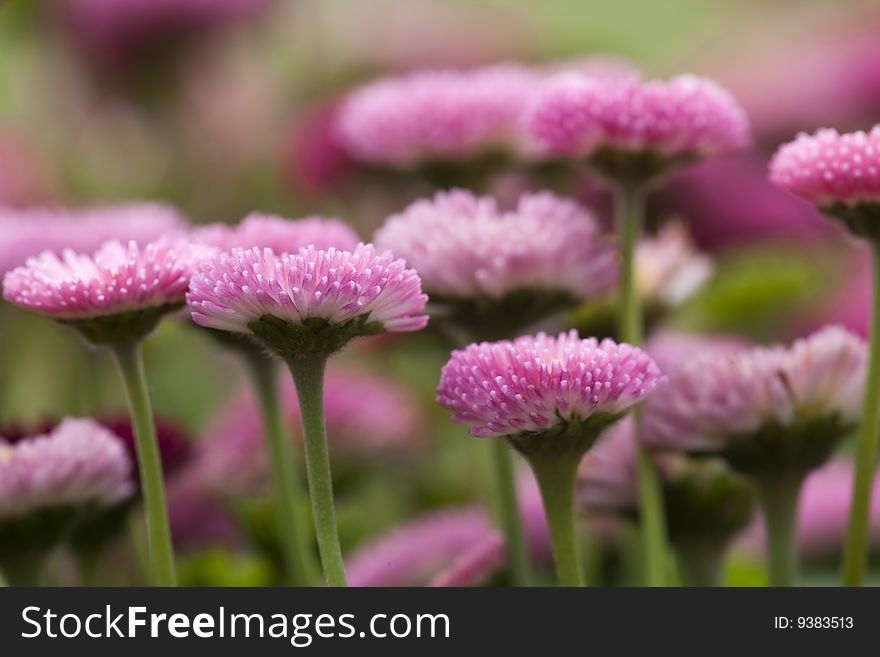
[533, 384]
[116, 281]
[719, 398]
[362, 290]
[279, 234]
[634, 130]
[838, 173]
[437, 115]
[545, 245]
[77, 463]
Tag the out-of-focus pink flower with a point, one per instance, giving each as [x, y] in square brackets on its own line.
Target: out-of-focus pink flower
[687, 117]
[828, 168]
[823, 514]
[234, 289]
[437, 115]
[369, 419]
[463, 246]
[728, 200]
[313, 159]
[117, 35]
[668, 267]
[118, 279]
[279, 234]
[718, 396]
[841, 85]
[415, 552]
[197, 517]
[449, 548]
[78, 463]
[27, 233]
[535, 383]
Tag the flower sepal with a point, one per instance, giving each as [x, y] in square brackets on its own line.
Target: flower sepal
[565, 440]
[313, 337]
[121, 327]
[796, 448]
[636, 168]
[861, 219]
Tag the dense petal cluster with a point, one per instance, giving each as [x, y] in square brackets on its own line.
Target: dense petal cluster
[827, 167]
[668, 268]
[239, 287]
[279, 234]
[575, 114]
[77, 463]
[476, 250]
[27, 233]
[717, 395]
[535, 383]
[435, 115]
[117, 279]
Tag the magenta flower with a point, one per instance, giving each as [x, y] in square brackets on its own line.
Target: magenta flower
[634, 130]
[838, 173]
[717, 397]
[78, 463]
[279, 234]
[437, 115]
[235, 290]
[27, 233]
[535, 384]
[117, 281]
[547, 245]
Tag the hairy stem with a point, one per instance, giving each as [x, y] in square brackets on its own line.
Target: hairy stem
[130, 362]
[299, 561]
[855, 554]
[508, 512]
[630, 210]
[308, 374]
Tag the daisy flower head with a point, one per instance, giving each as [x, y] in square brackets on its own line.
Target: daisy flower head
[307, 303]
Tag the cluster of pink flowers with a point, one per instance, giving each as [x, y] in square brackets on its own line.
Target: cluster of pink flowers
[279, 234]
[716, 395]
[78, 463]
[236, 288]
[829, 167]
[119, 278]
[475, 250]
[575, 114]
[534, 383]
[435, 115]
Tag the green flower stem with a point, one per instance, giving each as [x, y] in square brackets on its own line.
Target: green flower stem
[308, 374]
[131, 367]
[508, 511]
[3, 582]
[701, 561]
[630, 211]
[855, 554]
[556, 475]
[301, 567]
[779, 500]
